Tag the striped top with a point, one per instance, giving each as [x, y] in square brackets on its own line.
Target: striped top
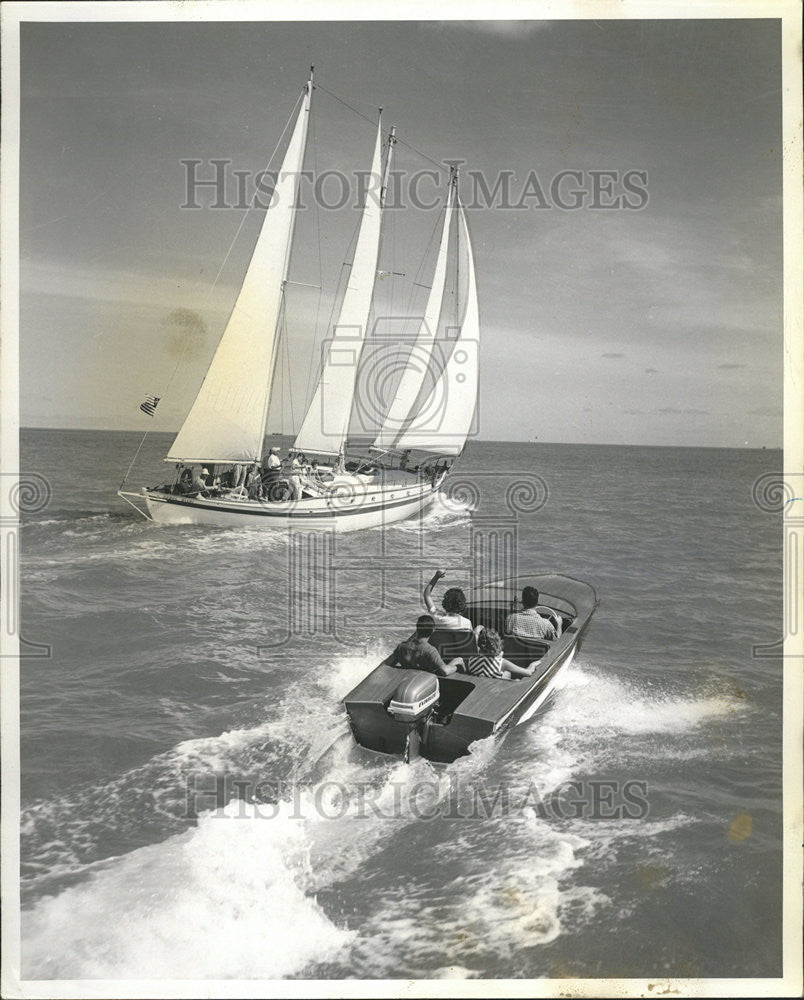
[485, 666]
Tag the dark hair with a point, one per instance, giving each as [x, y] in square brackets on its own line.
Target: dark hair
[425, 626]
[489, 642]
[454, 601]
[530, 597]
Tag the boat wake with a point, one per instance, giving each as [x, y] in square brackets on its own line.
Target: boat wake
[225, 900]
[248, 836]
[440, 513]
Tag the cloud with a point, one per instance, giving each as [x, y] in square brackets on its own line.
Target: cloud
[612, 354]
[101, 283]
[651, 371]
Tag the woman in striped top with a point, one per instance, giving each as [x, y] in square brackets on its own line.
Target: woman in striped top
[489, 660]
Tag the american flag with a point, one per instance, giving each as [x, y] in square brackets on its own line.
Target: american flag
[148, 405]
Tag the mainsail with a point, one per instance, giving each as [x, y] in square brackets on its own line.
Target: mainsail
[445, 420]
[227, 420]
[421, 352]
[326, 423]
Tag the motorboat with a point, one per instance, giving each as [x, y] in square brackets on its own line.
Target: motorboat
[413, 713]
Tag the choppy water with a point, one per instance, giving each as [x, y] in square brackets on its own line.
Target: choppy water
[181, 677]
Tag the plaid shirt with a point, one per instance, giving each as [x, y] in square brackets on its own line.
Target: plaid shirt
[529, 624]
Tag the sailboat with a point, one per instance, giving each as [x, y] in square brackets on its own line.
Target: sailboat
[222, 475]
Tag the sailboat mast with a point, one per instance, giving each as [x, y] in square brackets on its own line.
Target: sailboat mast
[454, 179]
[387, 171]
[309, 88]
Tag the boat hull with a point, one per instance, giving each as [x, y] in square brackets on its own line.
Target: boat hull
[473, 708]
[363, 508]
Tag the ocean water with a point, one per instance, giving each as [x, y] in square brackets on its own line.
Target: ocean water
[193, 806]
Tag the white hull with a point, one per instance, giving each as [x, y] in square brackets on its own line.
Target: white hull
[365, 508]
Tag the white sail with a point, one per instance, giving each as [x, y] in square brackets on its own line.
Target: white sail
[324, 428]
[421, 352]
[445, 419]
[227, 420]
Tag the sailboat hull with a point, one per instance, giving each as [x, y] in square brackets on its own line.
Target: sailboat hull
[371, 508]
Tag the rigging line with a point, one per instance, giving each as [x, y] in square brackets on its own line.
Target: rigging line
[424, 156]
[133, 460]
[320, 268]
[340, 100]
[247, 210]
[285, 339]
[278, 374]
[210, 290]
[369, 120]
[345, 271]
[409, 310]
[420, 270]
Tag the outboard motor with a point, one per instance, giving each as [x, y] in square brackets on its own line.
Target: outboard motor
[413, 703]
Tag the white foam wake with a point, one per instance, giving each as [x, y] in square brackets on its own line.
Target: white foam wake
[227, 900]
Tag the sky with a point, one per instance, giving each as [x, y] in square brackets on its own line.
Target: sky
[659, 324]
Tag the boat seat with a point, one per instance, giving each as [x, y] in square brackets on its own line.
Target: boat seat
[452, 642]
[523, 651]
[487, 617]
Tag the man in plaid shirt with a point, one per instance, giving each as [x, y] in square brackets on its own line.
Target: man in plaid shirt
[529, 624]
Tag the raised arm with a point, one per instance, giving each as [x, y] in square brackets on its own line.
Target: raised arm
[428, 590]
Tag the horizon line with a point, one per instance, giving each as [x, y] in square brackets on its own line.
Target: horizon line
[595, 444]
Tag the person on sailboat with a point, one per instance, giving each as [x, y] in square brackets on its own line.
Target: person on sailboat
[254, 484]
[272, 463]
[185, 484]
[271, 469]
[295, 476]
[453, 603]
[200, 482]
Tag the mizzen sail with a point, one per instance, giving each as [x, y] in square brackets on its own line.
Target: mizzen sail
[421, 353]
[443, 423]
[326, 423]
[227, 420]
